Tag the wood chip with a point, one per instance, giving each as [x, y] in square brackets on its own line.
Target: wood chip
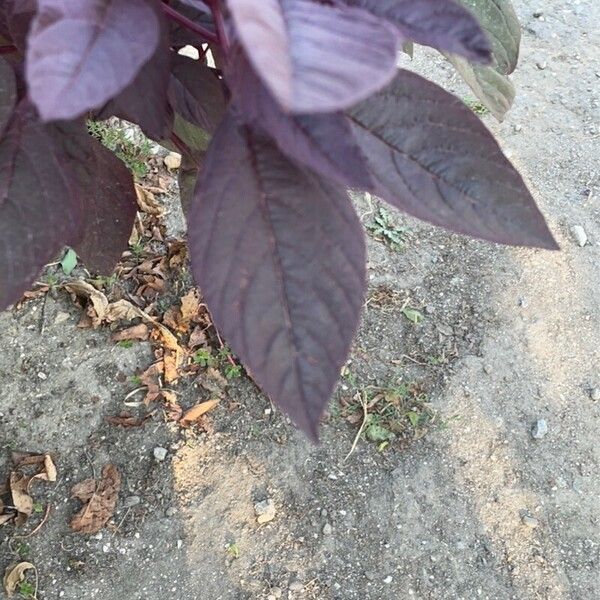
[192, 415]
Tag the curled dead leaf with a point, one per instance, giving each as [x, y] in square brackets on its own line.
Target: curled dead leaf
[137, 332]
[147, 201]
[192, 415]
[100, 498]
[22, 501]
[14, 575]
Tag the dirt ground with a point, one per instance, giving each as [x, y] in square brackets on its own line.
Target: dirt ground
[466, 504]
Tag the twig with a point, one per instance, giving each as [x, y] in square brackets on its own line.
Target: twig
[363, 402]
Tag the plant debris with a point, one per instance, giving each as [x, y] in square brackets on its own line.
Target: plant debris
[14, 575]
[99, 498]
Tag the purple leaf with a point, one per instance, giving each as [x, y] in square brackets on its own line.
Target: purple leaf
[323, 142]
[144, 101]
[279, 255]
[19, 14]
[433, 158]
[105, 189]
[8, 93]
[316, 58]
[81, 54]
[197, 12]
[196, 94]
[39, 214]
[445, 25]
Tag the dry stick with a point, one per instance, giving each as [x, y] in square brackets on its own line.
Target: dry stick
[363, 402]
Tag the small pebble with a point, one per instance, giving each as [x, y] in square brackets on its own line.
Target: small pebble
[327, 529]
[61, 317]
[172, 161]
[539, 429]
[276, 592]
[171, 511]
[488, 369]
[265, 511]
[595, 394]
[131, 501]
[370, 575]
[296, 586]
[530, 521]
[388, 579]
[324, 512]
[160, 453]
[541, 65]
[518, 127]
[42, 376]
[580, 235]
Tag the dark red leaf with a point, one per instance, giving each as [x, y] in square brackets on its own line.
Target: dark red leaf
[313, 57]
[279, 255]
[105, 188]
[323, 142]
[18, 15]
[81, 54]
[443, 24]
[196, 94]
[39, 213]
[433, 158]
[144, 101]
[8, 93]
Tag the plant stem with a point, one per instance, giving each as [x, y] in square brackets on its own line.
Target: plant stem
[206, 34]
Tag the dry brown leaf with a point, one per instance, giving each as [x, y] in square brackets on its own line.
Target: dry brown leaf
[5, 519]
[98, 300]
[147, 201]
[100, 505]
[213, 381]
[122, 310]
[14, 575]
[192, 415]
[137, 332]
[24, 459]
[190, 307]
[49, 472]
[84, 490]
[197, 338]
[21, 499]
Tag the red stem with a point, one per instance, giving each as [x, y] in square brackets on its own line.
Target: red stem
[206, 34]
[8, 49]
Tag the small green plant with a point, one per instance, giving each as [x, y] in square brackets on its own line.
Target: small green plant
[125, 343]
[204, 358]
[384, 230]
[136, 380]
[27, 590]
[392, 412]
[233, 550]
[476, 106]
[23, 550]
[38, 507]
[115, 139]
[233, 371]
[137, 249]
[413, 315]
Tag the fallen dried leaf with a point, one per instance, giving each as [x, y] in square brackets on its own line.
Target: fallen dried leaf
[197, 338]
[14, 575]
[21, 499]
[137, 332]
[100, 503]
[147, 201]
[172, 161]
[49, 472]
[190, 307]
[192, 415]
